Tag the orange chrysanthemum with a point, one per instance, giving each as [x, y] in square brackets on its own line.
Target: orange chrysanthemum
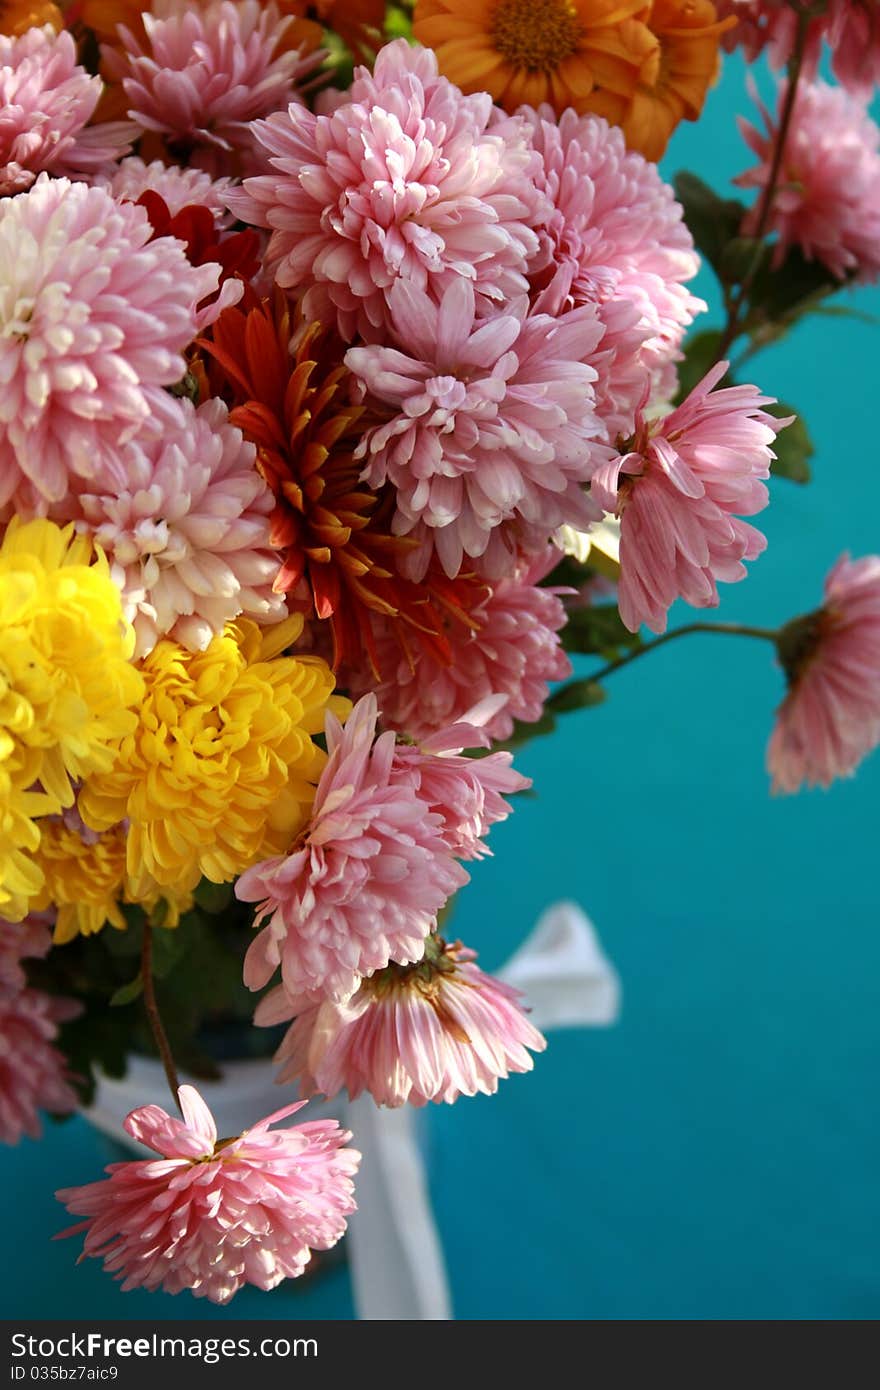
[17, 16]
[674, 89]
[293, 400]
[533, 51]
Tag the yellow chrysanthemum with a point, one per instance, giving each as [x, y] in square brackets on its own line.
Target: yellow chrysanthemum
[221, 769]
[84, 879]
[66, 687]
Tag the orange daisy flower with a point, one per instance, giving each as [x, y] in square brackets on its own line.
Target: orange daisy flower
[17, 16]
[558, 51]
[290, 395]
[689, 34]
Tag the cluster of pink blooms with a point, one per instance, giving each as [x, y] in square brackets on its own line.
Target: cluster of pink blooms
[507, 296]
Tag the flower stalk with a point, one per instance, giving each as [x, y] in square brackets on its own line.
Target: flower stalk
[153, 1015]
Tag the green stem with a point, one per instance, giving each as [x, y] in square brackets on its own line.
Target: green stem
[767, 634]
[740, 300]
[155, 1018]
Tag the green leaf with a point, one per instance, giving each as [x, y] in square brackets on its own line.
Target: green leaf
[126, 994]
[598, 630]
[742, 257]
[713, 221]
[579, 694]
[782, 295]
[793, 447]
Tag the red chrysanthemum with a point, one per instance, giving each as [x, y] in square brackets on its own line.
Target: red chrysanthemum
[293, 400]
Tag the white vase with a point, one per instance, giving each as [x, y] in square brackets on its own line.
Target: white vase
[245, 1093]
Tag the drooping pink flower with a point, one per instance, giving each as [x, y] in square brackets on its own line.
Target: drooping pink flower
[616, 238]
[850, 28]
[492, 421]
[467, 793]
[830, 718]
[364, 885]
[514, 652]
[33, 1073]
[207, 71]
[679, 494]
[46, 102]
[828, 192]
[93, 323]
[405, 181]
[187, 531]
[178, 188]
[210, 1216]
[428, 1032]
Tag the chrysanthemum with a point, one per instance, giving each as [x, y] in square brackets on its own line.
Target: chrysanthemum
[93, 323]
[293, 397]
[674, 87]
[19, 941]
[66, 687]
[33, 1073]
[46, 102]
[490, 422]
[827, 198]
[177, 187]
[679, 492]
[206, 71]
[534, 51]
[615, 238]
[221, 766]
[214, 1214]
[412, 1034]
[830, 718]
[85, 882]
[513, 651]
[364, 883]
[405, 181]
[466, 792]
[187, 532]
[850, 28]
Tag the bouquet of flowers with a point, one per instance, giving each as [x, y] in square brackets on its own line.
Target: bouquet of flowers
[345, 395]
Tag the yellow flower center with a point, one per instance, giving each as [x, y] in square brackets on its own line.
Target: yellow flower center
[536, 34]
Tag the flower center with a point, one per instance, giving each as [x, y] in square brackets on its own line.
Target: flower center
[536, 34]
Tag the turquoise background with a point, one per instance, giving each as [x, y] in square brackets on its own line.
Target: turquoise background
[714, 1155]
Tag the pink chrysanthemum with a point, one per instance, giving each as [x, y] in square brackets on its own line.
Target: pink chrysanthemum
[830, 718]
[46, 101]
[33, 1073]
[428, 1032]
[209, 1215]
[615, 238]
[514, 652]
[492, 422]
[178, 188]
[850, 28]
[403, 182]
[187, 533]
[679, 494]
[207, 71]
[467, 793]
[364, 885]
[93, 323]
[828, 191]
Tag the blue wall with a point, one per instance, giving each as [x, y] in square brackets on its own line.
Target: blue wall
[716, 1154]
